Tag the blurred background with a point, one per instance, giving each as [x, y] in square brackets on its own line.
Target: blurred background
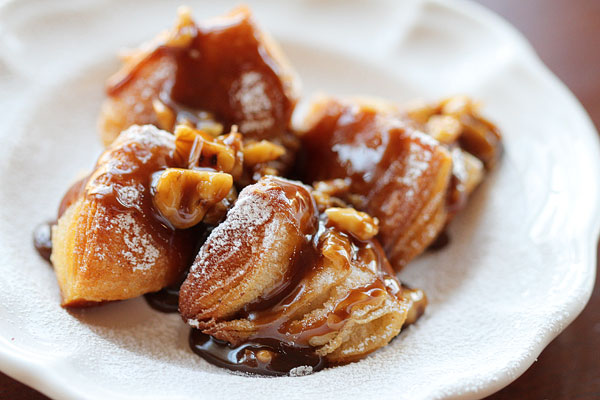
[566, 35]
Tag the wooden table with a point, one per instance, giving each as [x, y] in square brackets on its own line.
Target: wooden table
[566, 35]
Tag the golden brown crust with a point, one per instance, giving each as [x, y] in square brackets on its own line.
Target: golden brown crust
[397, 174]
[247, 80]
[96, 262]
[242, 258]
[339, 304]
[107, 245]
[412, 168]
[129, 107]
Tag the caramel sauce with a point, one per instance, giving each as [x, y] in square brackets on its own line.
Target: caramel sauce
[275, 317]
[122, 183]
[335, 320]
[279, 333]
[288, 344]
[289, 348]
[72, 195]
[482, 139]
[304, 208]
[386, 162]
[368, 294]
[441, 241]
[216, 68]
[165, 300]
[42, 239]
[269, 357]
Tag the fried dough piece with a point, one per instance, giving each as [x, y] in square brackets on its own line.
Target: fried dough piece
[110, 243]
[242, 258]
[274, 270]
[475, 143]
[394, 173]
[210, 75]
[456, 121]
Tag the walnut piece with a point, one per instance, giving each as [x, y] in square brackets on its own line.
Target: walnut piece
[196, 148]
[183, 196]
[358, 223]
[262, 152]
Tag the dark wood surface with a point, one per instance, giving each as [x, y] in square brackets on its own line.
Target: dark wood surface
[566, 35]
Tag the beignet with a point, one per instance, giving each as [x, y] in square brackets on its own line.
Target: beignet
[411, 181]
[396, 174]
[277, 269]
[110, 243]
[210, 75]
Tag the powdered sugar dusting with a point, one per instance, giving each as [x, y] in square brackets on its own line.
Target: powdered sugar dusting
[424, 138]
[130, 195]
[417, 163]
[301, 370]
[140, 252]
[256, 106]
[149, 136]
[249, 213]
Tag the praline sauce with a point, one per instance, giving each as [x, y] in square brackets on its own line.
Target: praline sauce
[261, 356]
[280, 346]
[42, 239]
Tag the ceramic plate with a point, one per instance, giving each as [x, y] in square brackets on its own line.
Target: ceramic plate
[519, 268]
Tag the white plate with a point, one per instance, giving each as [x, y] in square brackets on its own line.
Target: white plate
[520, 266]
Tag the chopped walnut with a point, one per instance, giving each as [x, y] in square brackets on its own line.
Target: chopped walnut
[261, 152]
[183, 196]
[196, 148]
[333, 187]
[360, 224]
[217, 213]
[444, 128]
[457, 120]
[234, 141]
[164, 115]
[331, 193]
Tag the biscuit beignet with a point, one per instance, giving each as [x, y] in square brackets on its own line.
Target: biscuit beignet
[210, 75]
[413, 181]
[395, 173]
[110, 243]
[276, 269]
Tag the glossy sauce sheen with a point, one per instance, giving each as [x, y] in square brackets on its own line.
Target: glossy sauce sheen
[127, 168]
[246, 358]
[289, 346]
[221, 61]
[391, 167]
[300, 202]
[42, 239]
[290, 349]
[121, 183]
[165, 300]
[273, 316]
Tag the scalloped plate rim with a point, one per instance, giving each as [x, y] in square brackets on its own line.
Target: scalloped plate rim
[44, 375]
